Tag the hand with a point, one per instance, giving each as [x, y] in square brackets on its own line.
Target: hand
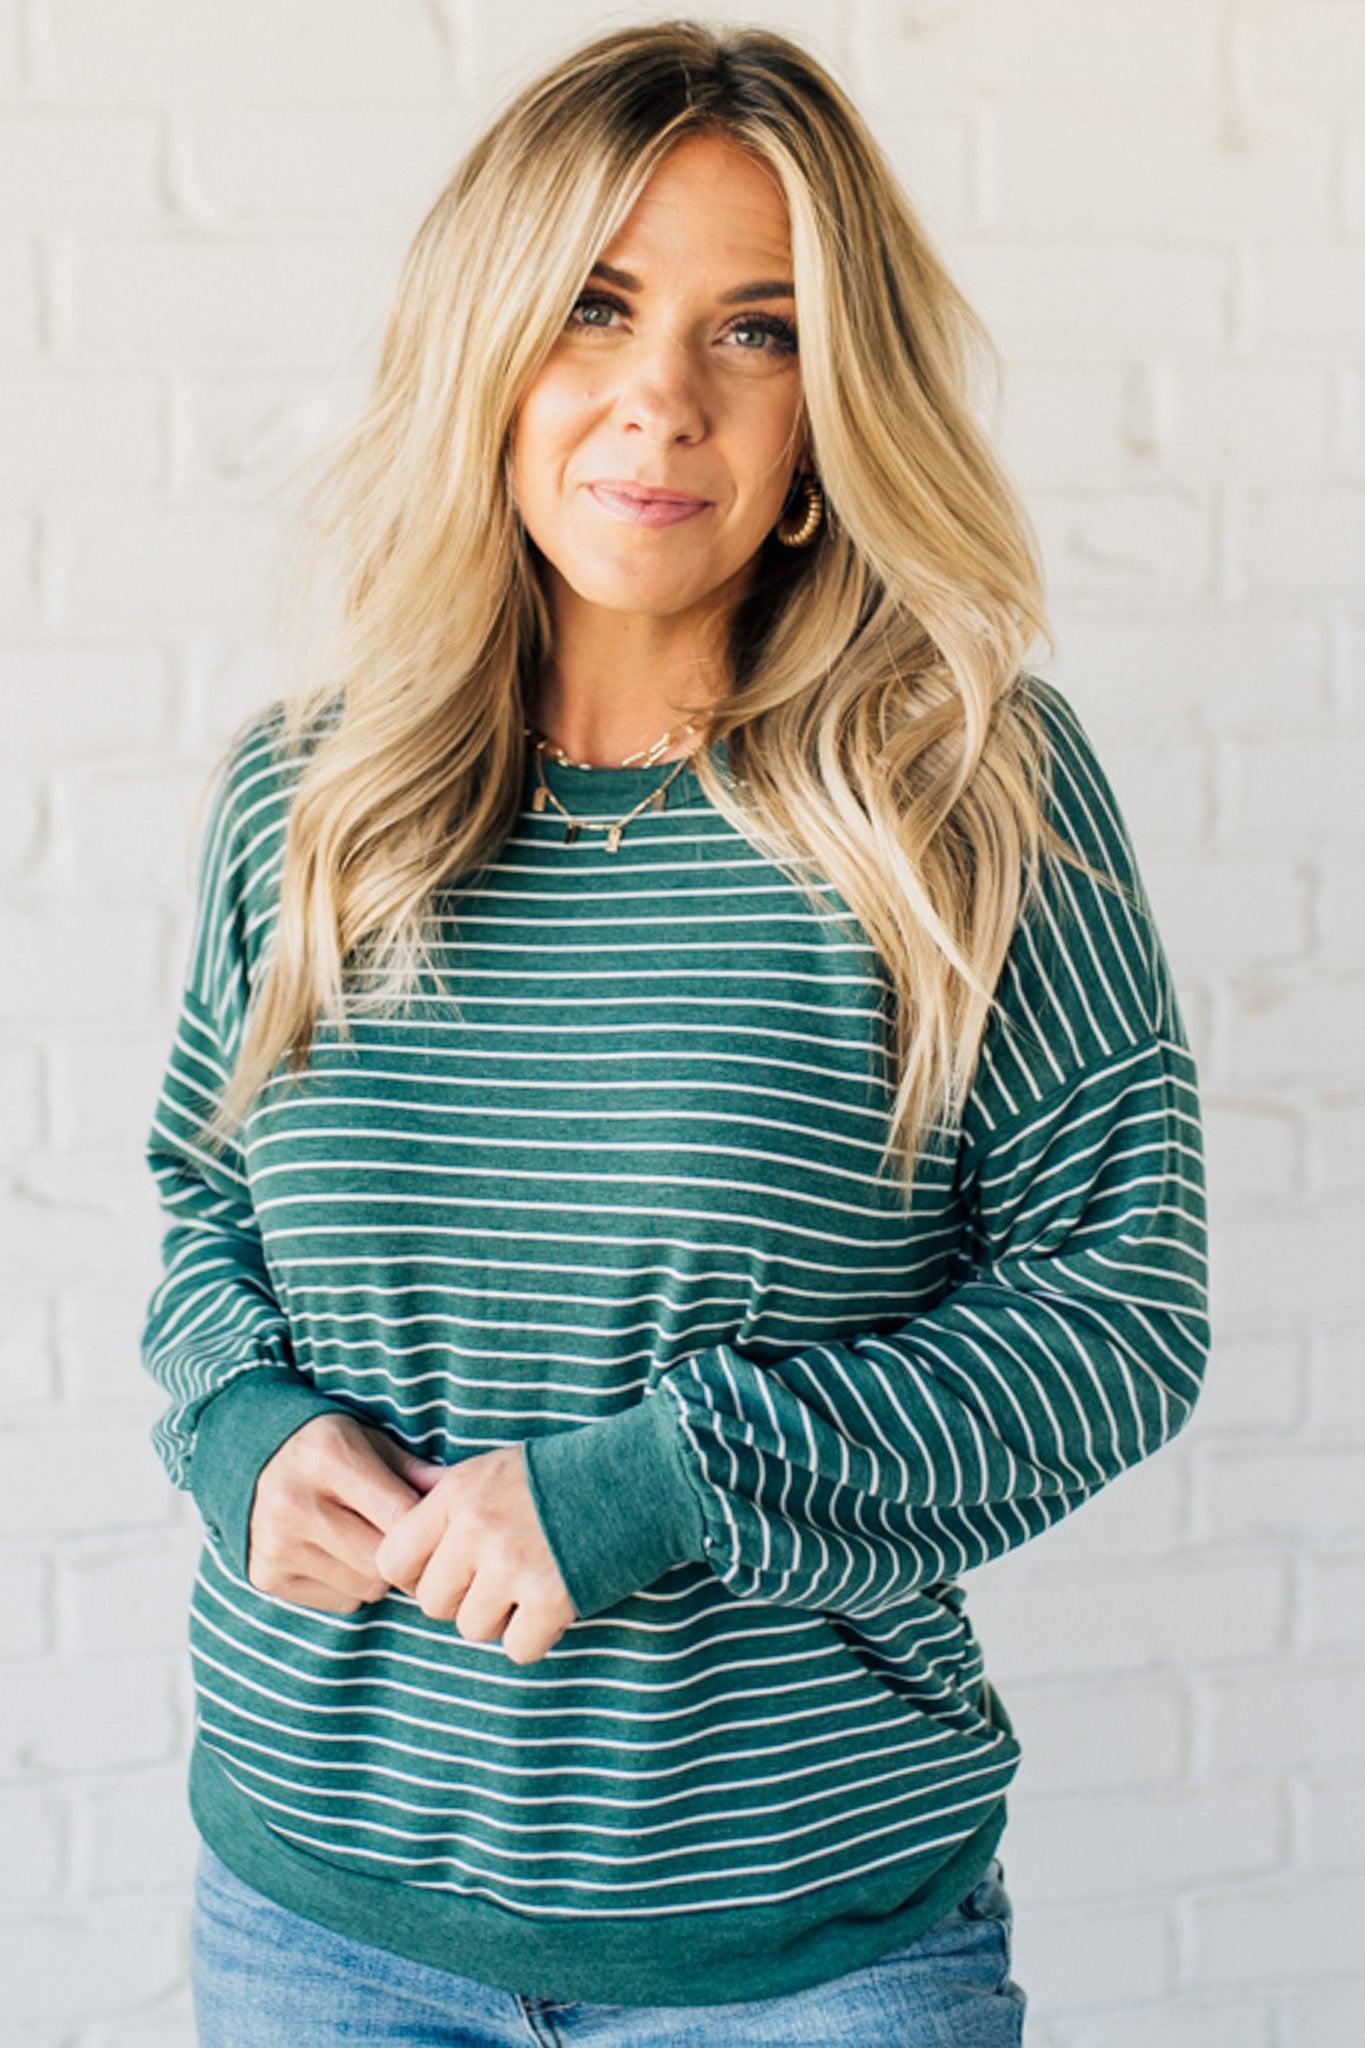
[322, 1505]
[472, 1551]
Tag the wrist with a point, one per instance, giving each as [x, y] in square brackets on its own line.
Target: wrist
[616, 1502]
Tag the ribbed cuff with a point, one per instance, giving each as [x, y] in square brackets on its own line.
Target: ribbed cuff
[616, 1501]
[237, 1434]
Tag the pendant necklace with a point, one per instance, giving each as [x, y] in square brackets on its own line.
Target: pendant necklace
[645, 758]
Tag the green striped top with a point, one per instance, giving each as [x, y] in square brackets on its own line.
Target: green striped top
[609, 1187]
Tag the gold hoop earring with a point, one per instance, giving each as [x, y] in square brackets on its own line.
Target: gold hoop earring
[802, 535]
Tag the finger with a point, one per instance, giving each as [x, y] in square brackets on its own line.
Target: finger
[443, 1589]
[319, 1562]
[478, 1603]
[403, 1553]
[349, 1542]
[421, 1473]
[527, 1640]
[309, 1592]
[362, 1479]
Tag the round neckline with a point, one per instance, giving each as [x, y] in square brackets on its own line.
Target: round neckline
[591, 792]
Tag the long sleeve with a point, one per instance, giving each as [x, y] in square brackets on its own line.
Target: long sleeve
[1070, 1345]
[215, 1337]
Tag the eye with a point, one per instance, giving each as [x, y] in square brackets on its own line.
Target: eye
[594, 299]
[781, 331]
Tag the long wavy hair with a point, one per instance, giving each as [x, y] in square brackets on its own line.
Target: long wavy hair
[877, 733]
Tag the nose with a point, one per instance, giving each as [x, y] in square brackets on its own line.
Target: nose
[661, 391]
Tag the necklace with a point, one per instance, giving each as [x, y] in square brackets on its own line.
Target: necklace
[645, 757]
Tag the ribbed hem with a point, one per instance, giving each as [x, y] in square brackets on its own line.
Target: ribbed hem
[237, 1434]
[615, 1501]
[712, 1957]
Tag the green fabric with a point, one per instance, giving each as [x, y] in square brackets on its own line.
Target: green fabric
[239, 1431]
[609, 1187]
[588, 1486]
[473, 1936]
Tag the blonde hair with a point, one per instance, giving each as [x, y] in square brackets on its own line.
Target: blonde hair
[877, 732]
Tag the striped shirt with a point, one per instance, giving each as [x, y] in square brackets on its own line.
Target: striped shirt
[610, 1186]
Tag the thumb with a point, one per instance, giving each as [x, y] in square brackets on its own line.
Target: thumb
[382, 1488]
[422, 1473]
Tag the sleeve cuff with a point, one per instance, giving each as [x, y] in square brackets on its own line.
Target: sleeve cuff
[616, 1501]
[237, 1434]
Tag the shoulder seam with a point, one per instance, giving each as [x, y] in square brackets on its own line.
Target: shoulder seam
[1010, 1128]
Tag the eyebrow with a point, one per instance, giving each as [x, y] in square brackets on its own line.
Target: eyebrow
[762, 288]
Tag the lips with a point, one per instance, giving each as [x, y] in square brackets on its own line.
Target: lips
[622, 487]
[641, 506]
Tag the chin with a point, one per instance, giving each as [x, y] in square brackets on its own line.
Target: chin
[633, 591]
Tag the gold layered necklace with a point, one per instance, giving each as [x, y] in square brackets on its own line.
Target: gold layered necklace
[645, 758]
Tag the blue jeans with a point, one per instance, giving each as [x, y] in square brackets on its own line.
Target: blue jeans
[264, 1977]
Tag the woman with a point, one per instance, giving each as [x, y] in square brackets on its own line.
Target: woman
[680, 1142]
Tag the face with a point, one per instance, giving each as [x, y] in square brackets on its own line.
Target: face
[671, 372]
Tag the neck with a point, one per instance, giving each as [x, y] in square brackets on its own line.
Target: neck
[615, 683]
[602, 732]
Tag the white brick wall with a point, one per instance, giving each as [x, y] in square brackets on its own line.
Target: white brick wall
[1159, 207]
